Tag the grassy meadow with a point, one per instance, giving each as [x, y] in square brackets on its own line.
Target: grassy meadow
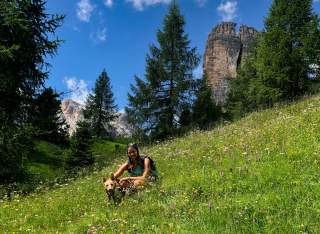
[47, 166]
[257, 175]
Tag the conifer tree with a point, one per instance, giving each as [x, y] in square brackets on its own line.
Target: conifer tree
[16, 146]
[139, 111]
[26, 38]
[288, 50]
[284, 61]
[242, 97]
[169, 79]
[204, 109]
[24, 42]
[185, 119]
[100, 109]
[80, 144]
[48, 117]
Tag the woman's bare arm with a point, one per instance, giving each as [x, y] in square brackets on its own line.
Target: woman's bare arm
[146, 172]
[121, 169]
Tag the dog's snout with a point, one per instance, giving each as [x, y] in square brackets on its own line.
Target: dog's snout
[110, 191]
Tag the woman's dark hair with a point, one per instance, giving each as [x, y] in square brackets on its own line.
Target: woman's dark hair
[135, 146]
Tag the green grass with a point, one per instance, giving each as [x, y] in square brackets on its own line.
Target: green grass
[106, 151]
[47, 162]
[47, 166]
[257, 175]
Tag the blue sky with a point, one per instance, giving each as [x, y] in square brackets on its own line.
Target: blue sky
[115, 35]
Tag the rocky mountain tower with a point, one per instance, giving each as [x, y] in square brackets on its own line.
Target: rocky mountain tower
[224, 52]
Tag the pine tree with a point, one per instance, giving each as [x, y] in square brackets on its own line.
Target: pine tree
[26, 38]
[204, 110]
[283, 63]
[287, 51]
[100, 109]
[16, 146]
[24, 42]
[139, 112]
[48, 117]
[185, 119]
[169, 79]
[242, 97]
[81, 154]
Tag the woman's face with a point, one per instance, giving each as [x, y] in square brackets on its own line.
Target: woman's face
[132, 153]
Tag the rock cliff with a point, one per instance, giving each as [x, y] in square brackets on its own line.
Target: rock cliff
[72, 112]
[224, 52]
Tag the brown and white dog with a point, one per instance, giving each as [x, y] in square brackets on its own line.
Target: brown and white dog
[112, 188]
[116, 189]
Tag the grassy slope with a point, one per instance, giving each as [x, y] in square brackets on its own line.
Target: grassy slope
[260, 174]
[48, 164]
[48, 161]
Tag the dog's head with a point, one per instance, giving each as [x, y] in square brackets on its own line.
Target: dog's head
[110, 185]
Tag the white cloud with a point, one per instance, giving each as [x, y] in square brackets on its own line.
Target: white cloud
[201, 3]
[78, 88]
[100, 35]
[108, 3]
[228, 10]
[141, 4]
[84, 10]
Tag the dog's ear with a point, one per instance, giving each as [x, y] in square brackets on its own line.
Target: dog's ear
[104, 179]
[112, 176]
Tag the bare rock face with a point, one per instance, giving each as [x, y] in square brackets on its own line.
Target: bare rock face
[121, 126]
[224, 52]
[73, 112]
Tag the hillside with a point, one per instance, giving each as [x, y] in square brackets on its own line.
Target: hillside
[47, 166]
[259, 174]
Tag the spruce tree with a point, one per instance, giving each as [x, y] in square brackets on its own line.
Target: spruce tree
[204, 110]
[185, 119]
[24, 42]
[139, 111]
[48, 117]
[283, 63]
[169, 79]
[80, 145]
[26, 38]
[100, 109]
[16, 146]
[242, 97]
[288, 50]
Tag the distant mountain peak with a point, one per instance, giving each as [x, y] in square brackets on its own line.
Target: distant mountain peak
[73, 112]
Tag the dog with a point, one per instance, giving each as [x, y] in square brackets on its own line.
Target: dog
[113, 189]
[116, 189]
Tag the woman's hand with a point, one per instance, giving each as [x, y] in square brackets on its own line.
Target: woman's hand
[125, 179]
[132, 178]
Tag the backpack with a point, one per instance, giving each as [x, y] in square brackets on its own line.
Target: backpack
[152, 163]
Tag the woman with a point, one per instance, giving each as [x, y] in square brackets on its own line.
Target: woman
[140, 168]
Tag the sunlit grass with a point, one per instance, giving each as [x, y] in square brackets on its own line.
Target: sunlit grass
[257, 175]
